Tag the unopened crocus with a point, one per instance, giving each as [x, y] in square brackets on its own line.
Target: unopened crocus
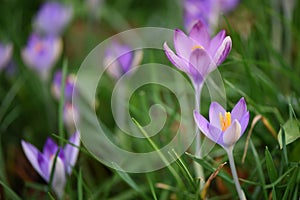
[197, 54]
[69, 86]
[70, 116]
[225, 129]
[52, 18]
[5, 54]
[41, 53]
[120, 59]
[43, 162]
[206, 10]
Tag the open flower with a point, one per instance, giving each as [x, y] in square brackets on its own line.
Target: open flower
[52, 18]
[198, 54]
[224, 128]
[120, 59]
[42, 162]
[207, 10]
[41, 53]
[69, 86]
[5, 54]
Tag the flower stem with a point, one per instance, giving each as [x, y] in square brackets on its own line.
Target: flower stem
[198, 152]
[234, 174]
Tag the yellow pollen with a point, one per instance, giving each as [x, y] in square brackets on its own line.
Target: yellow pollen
[225, 120]
[197, 47]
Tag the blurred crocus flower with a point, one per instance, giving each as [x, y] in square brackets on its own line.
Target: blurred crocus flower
[41, 53]
[224, 128]
[52, 18]
[69, 86]
[197, 54]
[5, 54]
[121, 59]
[70, 115]
[42, 162]
[207, 10]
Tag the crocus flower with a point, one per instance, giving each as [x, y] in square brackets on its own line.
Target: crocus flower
[197, 53]
[206, 10]
[52, 18]
[5, 54]
[224, 128]
[70, 115]
[69, 86]
[120, 58]
[42, 162]
[41, 53]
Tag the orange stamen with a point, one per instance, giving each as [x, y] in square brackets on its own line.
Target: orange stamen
[225, 121]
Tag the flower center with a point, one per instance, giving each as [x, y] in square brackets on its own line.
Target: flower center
[225, 120]
[39, 47]
[197, 47]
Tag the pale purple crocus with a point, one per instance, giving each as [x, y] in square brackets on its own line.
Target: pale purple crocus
[69, 86]
[5, 54]
[43, 162]
[197, 54]
[41, 53]
[120, 59]
[52, 18]
[208, 11]
[225, 129]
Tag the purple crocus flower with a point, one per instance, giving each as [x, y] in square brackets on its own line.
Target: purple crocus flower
[120, 58]
[70, 115]
[197, 53]
[206, 10]
[224, 128]
[42, 162]
[41, 53]
[69, 86]
[5, 54]
[52, 18]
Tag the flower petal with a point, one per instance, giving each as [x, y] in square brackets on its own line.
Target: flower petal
[200, 34]
[214, 134]
[223, 51]
[183, 44]
[71, 152]
[59, 176]
[179, 62]
[244, 121]
[35, 158]
[201, 122]
[214, 114]
[50, 148]
[232, 134]
[239, 109]
[216, 42]
[199, 64]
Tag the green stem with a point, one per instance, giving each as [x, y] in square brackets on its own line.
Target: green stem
[198, 152]
[234, 174]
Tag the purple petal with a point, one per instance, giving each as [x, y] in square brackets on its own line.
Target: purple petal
[232, 134]
[215, 110]
[59, 176]
[215, 134]
[5, 54]
[200, 34]
[126, 61]
[71, 152]
[201, 122]
[183, 44]
[216, 42]
[35, 158]
[179, 62]
[50, 148]
[239, 109]
[244, 121]
[223, 51]
[199, 64]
